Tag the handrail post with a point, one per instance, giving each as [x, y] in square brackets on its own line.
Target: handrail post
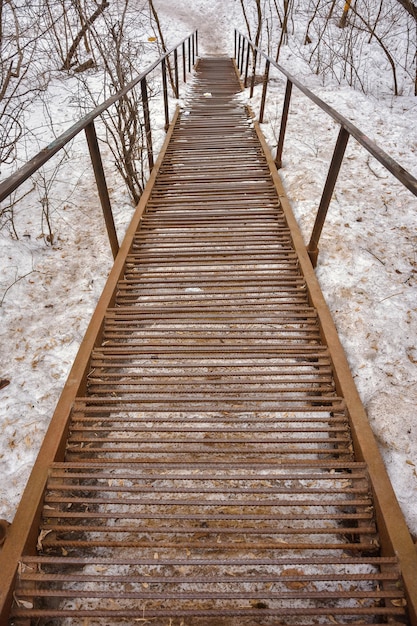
[196, 43]
[247, 65]
[242, 56]
[239, 47]
[332, 175]
[242, 63]
[252, 83]
[103, 192]
[264, 88]
[165, 91]
[147, 120]
[176, 81]
[184, 68]
[193, 48]
[189, 54]
[283, 127]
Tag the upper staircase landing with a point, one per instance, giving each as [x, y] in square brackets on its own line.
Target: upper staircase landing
[209, 474]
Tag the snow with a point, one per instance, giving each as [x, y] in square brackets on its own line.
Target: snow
[367, 262]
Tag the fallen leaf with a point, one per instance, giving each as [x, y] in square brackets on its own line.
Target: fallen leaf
[41, 537]
[294, 573]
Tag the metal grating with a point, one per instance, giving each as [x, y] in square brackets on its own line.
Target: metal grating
[209, 474]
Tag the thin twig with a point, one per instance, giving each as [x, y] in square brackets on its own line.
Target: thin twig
[399, 293]
[375, 256]
[373, 171]
[14, 283]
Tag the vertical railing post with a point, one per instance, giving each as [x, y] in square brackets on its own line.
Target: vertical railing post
[264, 88]
[252, 83]
[283, 127]
[165, 91]
[242, 64]
[189, 53]
[242, 55]
[103, 192]
[193, 48]
[176, 82]
[147, 121]
[332, 175]
[184, 67]
[196, 43]
[239, 47]
[247, 65]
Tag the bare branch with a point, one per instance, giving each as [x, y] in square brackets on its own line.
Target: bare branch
[85, 27]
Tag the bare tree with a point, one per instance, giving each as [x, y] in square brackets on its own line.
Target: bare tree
[287, 8]
[410, 7]
[20, 78]
[314, 12]
[161, 42]
[246, 18]
[86, 24]
[118, 46]
[258, 20]
[343, 19]
[365, 25]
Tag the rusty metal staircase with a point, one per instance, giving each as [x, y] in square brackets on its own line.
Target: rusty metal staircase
[209, 475]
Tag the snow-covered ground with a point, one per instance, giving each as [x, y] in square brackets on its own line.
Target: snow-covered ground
[367, 263]
[368, 253]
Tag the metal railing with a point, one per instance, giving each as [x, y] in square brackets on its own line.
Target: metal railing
[244, 49]
[189, 52]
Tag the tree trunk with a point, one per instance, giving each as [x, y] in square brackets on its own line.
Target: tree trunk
[376, 22]
[164, 48]
[259, 25]
[410, 7]
[343, 19]
[82, 22]
[284, 30]
[246, 19]
[82, 32]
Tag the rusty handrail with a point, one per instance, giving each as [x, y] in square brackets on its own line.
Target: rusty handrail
[86, 123]
[347, 129]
